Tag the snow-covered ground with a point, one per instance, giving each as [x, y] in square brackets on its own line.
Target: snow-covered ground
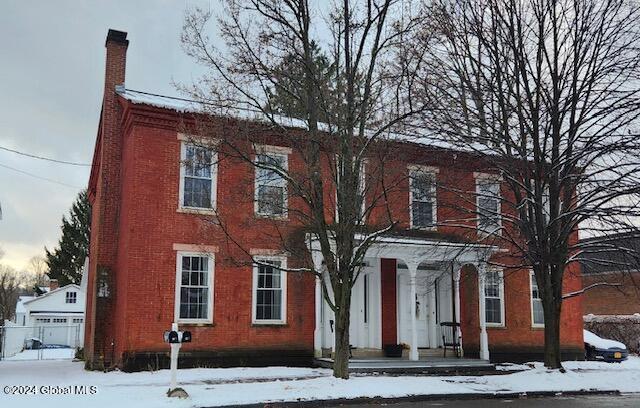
[44, 354]
[210, 387]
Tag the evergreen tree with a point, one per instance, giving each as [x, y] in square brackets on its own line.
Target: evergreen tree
[65, 262]
[290, 75]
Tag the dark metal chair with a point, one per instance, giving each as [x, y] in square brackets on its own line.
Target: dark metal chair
[451, 337]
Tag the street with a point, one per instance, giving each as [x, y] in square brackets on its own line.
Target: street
[600, 401]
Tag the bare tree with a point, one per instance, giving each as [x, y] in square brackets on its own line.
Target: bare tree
[549, 90]
[367, 95]
[38, 269]
[9, 289]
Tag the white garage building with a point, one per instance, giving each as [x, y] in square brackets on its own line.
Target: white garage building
[57, 317]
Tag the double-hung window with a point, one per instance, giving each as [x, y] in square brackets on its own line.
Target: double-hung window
[271, 186]
[360, 197]
[269, 291]
[488, 205]
[537, 313]
[194, 288]
[422, 196]
[197, 177]
[71, 297]
[494, 297]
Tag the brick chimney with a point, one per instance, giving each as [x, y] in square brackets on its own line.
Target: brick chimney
[99, 334]
[53, 285]
[116, 62]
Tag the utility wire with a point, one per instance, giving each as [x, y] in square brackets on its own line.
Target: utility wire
[44, 158]
[39, 177]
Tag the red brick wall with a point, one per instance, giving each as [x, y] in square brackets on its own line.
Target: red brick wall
[517, 332]
[610, 300]
[151, 224]
[389, 313]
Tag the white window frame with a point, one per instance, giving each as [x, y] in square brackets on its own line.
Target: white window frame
[178, 286]
[214, 180]
[484, 178]
[271, 151]
[432, 172]
[254, 291]
[68, 296]
[500, 273]
[532, 280]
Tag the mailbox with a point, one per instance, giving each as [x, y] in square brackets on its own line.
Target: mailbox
[172, 337]
[186, 337]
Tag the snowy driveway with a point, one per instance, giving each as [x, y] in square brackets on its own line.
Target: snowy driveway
[53, 384]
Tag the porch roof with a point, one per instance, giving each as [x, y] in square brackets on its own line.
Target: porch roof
[415, 249]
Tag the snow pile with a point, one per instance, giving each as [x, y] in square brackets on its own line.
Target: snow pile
[213, 387]
[601, 343]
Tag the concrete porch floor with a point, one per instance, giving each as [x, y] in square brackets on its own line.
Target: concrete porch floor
[423, 366]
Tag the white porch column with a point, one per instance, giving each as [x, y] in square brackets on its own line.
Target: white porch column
[484, 339]
[317, 333]
[457, 271]
[413, 271]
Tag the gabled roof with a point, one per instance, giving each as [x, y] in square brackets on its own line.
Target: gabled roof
[71, 285]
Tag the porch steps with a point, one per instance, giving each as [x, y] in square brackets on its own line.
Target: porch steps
[360, 353]
[425, 366]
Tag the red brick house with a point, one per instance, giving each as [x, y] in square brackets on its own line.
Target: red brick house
[155, 260]
[612, 274]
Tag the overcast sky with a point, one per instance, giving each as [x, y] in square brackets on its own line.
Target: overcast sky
[51, 78]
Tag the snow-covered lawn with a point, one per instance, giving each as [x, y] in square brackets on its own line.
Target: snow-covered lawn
[210, 387]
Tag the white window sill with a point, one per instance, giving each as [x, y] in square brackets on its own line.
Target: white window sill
[418, 228]
[495, 325]
[269, 323]
[194, 210]
[537, 326]
[272, 217]
[195, 321]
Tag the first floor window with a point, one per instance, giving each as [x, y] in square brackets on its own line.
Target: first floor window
[537, 313]
[269, 291]
[71, 297]
[198, 172]
[494, 297]
[195, 277]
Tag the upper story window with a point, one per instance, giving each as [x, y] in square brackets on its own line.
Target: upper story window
[494, 297]
[360, 196]
[537, 313]
[422, 197]
[271, 186]
[488, 204]
[71, 297]
[194, 288]
[270, 291]
[197, 177]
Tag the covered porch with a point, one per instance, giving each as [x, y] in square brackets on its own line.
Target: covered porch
[408, 293]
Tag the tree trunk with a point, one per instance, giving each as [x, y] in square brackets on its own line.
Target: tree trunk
[341, 352]
[552, 357]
